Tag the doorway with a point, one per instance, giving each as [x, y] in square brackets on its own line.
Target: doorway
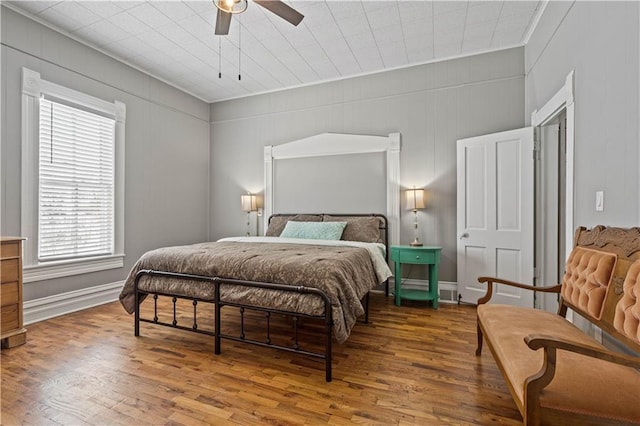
[555, 129]
[550, 207]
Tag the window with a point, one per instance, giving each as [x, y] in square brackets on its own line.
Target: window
[72, 170]
[76, 185]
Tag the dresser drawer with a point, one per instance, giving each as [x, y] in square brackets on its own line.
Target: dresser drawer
[10, 249]
[9, 293]
[9, 317]
[8, 270]
[417, 256]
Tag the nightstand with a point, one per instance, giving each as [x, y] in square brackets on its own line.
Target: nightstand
[425, 255]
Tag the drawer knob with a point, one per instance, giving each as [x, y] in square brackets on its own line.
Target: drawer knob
[417, 257]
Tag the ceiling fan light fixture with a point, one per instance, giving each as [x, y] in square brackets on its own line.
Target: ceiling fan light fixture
[231, 6]
[228, 8]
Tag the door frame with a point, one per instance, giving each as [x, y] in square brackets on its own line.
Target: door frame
[563, 100]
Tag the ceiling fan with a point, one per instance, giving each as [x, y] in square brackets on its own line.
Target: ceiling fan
[226, 8]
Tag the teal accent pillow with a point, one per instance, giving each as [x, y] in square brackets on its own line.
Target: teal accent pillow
[313, 230]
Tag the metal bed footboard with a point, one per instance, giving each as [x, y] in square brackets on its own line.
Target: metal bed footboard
[327, 318]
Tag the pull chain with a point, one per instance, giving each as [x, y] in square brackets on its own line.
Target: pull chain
[239, 46]
[219, 57]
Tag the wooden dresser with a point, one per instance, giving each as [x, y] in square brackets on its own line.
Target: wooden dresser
[13, 332]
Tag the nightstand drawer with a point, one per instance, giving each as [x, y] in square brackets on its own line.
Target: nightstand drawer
[417, 256]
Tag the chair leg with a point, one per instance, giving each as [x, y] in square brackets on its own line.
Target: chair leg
[479, 348]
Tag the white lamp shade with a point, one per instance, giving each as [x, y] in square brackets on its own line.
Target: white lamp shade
[249, 202]
[415, 199]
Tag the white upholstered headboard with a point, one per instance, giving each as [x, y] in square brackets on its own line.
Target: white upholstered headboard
[328, 144]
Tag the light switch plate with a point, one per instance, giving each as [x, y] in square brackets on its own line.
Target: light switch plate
[599, 201]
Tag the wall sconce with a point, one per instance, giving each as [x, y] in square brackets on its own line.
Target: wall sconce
[249, 203]
[415, 201]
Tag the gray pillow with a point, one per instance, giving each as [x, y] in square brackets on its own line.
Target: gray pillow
[365, 229]
[278, 223]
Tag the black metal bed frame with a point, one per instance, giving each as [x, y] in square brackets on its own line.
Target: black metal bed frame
[326, 318]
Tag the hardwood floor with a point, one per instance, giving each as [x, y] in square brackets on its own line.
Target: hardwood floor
[410, 365]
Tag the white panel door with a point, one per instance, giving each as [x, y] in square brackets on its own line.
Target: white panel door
[495, 214]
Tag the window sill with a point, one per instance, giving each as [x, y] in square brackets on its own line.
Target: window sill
[51, 270]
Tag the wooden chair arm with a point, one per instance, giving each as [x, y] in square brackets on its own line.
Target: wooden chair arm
[537, 341]
[536, 383]
[490, 280]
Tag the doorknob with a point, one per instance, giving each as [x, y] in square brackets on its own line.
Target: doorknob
[464, 235]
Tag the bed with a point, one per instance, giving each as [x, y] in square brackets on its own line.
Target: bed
[283, 273]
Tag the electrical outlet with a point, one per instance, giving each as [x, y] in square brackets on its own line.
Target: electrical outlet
[599, 201]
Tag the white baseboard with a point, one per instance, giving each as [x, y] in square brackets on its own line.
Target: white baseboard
[65, 303]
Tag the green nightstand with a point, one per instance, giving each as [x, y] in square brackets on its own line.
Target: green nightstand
[425, 255]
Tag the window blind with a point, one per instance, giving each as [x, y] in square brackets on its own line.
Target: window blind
[76, 182]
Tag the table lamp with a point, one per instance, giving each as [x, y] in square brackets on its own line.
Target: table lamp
[249, 203]
[415, 201]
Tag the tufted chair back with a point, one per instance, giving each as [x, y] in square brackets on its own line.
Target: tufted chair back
[602, 281]
[627, 315]
[587, 280]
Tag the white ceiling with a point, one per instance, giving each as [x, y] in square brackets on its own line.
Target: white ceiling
[174, 40]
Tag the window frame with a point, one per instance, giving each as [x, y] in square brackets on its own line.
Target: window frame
[34, 270]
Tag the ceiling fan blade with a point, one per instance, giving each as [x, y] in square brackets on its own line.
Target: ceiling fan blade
[223, 21]
[281, 9]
